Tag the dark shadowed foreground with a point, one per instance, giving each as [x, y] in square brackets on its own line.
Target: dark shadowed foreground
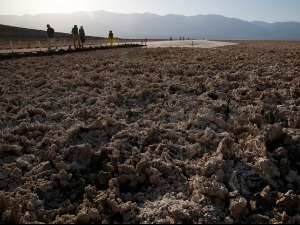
[152, 135]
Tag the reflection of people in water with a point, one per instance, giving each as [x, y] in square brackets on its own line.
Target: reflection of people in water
[110, 37]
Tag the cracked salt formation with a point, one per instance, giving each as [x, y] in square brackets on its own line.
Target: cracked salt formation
[152, 135]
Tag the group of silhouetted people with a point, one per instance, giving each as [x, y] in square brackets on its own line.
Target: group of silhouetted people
[78, 36]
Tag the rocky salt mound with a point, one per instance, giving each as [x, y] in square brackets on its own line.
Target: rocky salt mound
[166, 135]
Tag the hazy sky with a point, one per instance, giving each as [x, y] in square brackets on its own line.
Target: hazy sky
[249, 10]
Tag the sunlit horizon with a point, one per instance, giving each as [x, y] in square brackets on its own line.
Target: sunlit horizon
[249, 10]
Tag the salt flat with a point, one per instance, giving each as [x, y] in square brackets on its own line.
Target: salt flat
[188, 43]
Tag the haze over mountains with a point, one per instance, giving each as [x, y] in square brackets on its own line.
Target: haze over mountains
[142, 25]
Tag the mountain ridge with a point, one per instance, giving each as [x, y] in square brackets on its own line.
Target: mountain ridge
[150, 25]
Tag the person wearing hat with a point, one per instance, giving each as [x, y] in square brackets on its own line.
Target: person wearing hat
[82, 35]
[75, 36]
[50, 36]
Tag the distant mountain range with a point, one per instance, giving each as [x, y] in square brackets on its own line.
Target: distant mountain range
[153, 26]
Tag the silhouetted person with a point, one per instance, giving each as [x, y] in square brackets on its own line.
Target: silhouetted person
[110, 37]
[75, 36]
[82, 35]
[50, 36]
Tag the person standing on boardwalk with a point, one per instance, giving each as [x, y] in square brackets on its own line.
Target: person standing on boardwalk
[110, 37]
[50, 36]
[75, 36]
[82, 35]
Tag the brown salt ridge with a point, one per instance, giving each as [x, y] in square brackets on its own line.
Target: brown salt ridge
[152, 135]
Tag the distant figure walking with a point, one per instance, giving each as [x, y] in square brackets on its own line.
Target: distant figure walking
[75, 36]
[50, 36]
[82, 35]
[110, 37]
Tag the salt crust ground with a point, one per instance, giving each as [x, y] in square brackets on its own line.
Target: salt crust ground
[188, 44]
[152, 135]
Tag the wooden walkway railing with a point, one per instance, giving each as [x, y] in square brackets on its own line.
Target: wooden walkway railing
[58, 51]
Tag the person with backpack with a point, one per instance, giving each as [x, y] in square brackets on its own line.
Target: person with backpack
[82, 35]
[75, 34]
[50, 36]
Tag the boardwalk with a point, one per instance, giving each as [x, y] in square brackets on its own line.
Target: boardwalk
[19, 53]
